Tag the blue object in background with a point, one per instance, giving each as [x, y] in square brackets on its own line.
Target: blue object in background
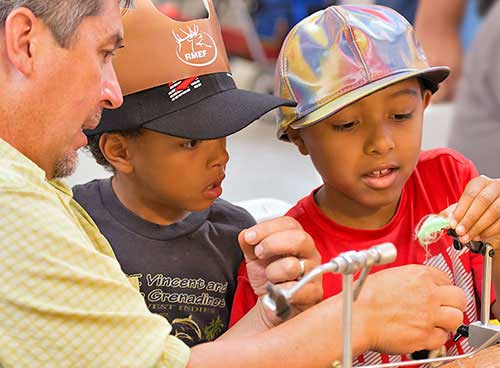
[470, 23]
[272, 15]
[407, 8]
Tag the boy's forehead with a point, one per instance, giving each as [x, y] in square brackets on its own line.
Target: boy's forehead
[406, 88]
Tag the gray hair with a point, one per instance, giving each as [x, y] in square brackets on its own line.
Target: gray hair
[61, 16]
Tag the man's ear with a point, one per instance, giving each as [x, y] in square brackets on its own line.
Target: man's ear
[296, 138]
[115, 149]
[20, 32]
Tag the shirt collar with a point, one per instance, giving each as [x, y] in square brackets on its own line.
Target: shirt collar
[27, 167]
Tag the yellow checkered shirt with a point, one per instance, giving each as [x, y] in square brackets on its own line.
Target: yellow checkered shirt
[64, 301]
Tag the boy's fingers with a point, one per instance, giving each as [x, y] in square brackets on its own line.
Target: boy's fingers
[491, 234]
[472, 190]
[477, 208]
[448, 212]
[486, 220]
[251, 239]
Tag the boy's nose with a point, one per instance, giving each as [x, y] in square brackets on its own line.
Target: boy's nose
[219, 155]
[380, 140]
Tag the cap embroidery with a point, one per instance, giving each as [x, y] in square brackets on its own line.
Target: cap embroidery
[195, 48]
[182, 87]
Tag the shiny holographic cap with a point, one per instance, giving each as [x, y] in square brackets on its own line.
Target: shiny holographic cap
[341, 54]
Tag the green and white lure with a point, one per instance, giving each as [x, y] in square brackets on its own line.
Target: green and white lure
[430, 229]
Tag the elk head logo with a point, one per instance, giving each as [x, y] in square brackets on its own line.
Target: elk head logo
[195, 48]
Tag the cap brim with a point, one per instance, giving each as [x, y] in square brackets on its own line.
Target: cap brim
[434, 76]
[218, 115]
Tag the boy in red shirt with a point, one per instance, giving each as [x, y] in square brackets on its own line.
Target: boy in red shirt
[362, 83]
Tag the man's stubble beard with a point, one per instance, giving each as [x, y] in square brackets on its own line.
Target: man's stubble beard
[66, 166]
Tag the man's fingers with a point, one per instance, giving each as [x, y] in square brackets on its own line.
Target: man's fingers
[287, 269]
[251, 238]
[438, 277]
[451, 296]
[295, 243]
[310, 294]
[436, 338]
[449, 318]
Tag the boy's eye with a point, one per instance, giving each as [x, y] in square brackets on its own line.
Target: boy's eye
[402, 116]
[345, 126]
[190, 144]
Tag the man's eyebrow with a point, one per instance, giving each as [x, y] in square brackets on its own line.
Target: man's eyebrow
[406, 91]
[116, 39]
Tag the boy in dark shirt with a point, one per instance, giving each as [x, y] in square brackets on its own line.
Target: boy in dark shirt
[166, 146]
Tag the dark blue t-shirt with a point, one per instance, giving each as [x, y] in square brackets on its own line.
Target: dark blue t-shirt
[187, 270]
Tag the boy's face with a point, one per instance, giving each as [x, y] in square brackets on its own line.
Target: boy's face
[366, 152]
[176, 174]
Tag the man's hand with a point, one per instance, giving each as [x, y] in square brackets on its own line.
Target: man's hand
[405, 309]
[274, 251]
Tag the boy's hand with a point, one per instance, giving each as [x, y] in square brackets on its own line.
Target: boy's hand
[476, 216]
[274, 251]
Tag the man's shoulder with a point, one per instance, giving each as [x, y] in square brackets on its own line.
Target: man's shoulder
[13, 179]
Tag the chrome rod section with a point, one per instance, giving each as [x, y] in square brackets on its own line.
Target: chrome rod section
[347, 297]
[486, 289]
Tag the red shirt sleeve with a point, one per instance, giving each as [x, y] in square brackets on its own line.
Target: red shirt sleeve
[244, 297]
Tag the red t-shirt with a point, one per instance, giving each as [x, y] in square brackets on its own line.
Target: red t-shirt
[438, 181]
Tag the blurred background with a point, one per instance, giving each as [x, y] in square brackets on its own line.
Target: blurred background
[253, 30]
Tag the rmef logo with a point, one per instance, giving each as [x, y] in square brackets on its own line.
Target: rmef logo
[195, 48]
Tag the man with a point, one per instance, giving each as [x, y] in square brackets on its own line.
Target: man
[64, 301]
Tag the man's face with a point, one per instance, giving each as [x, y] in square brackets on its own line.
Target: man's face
[74, 84]
[176, 175]
[366, 152]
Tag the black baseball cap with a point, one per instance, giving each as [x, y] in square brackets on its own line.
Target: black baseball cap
[203, 107]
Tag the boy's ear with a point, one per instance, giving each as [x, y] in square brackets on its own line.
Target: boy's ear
[296, 138]
[115, 149]
[22, 31]
[426, 98]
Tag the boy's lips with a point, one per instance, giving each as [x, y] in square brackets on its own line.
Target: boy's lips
[214, 190]
[381, 177]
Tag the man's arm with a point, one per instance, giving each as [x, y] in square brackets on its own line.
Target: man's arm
[400, 310]
[63, 303]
